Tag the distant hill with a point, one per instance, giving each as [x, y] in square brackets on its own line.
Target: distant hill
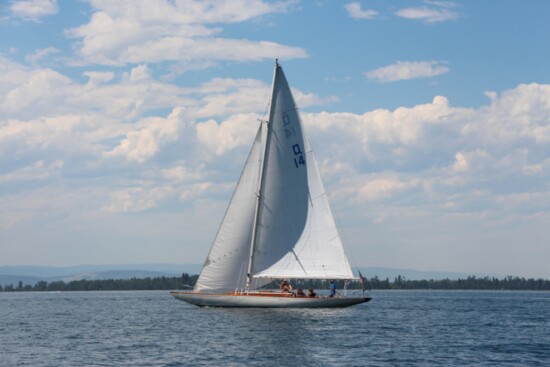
[15, 279]
[30, 274]
[56, 271]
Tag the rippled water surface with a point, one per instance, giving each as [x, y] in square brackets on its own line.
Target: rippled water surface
[397, 328]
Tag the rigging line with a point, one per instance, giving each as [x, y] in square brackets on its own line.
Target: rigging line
[241, 277]
[310, 158]
[266, 111]
[261, 184]
[325, 270]
[268, 105]
[299, 262]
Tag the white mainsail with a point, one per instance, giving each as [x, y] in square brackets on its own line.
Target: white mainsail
[297, 236]
[279, 223]
[318, 254]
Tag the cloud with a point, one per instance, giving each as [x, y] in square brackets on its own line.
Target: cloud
[37, 171]
[432, 12]
[33, 9]
[461, 163]
[47, 114]
[381, 188]
[404, 70]
[354, 10]
[518, 113]
[439, 161]
[440, 11]
[136, 199]
[40, 54]
[78, 151]
[234, 132]
[181, 173]
[96, 78]
[224, 96]
[28, 93]
[103, 122]
[179, 31]
[146, 141]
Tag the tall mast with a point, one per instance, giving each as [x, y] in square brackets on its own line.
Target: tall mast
[262, 178]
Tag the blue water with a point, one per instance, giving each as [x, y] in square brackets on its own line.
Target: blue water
[397, 328]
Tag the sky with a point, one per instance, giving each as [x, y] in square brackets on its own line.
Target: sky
[124, 126]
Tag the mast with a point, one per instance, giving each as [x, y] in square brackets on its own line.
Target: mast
[262, 178]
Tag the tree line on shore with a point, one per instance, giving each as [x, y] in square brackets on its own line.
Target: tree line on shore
[134, 284]
[186, 281]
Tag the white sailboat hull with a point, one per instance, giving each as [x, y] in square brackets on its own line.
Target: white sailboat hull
[265, 300]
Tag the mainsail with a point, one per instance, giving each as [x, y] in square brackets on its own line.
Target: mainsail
[279, 223]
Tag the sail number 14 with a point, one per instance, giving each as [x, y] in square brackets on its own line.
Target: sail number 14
[298, 156]
[299, 159]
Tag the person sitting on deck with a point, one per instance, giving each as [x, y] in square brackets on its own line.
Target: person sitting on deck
[332, 287]
[300, 293]
[285, 286]
[311, 293]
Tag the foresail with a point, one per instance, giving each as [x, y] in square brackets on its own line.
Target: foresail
[296, 234]
[226, 264]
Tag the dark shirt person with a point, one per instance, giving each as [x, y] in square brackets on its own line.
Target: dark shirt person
[285, 286]
[300, 293]
[311, 293]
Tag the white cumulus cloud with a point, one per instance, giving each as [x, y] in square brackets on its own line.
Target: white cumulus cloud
[354, 10]
[381, 188]
[146, 141]
[179, 31]
[438, 11]
[461, 163]
[404, 70]
[34, 9]
[41, 53]
[125, 142]
[136, 199]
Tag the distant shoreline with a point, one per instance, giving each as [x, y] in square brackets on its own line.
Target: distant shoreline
[186, 281]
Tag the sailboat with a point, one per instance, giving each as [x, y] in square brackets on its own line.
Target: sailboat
[278, 225]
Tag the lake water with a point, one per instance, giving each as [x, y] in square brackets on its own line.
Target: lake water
[397, 328]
